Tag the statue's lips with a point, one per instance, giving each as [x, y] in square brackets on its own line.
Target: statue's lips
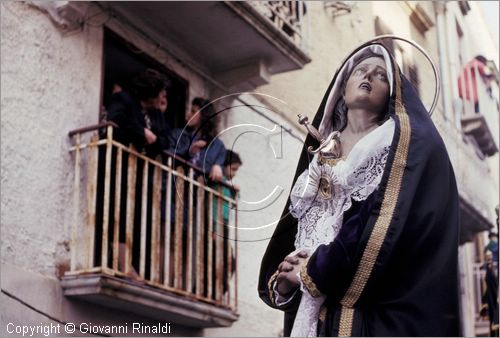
[366, 86]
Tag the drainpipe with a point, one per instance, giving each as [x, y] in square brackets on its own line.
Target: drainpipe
[440, 10]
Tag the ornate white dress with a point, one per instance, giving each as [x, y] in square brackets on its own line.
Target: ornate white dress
[320, 211]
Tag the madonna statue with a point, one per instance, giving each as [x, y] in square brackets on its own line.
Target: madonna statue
[368, 242]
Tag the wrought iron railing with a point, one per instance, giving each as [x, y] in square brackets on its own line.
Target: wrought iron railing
[287, 16]
[471, 87]
[477, 97]
[151, 221]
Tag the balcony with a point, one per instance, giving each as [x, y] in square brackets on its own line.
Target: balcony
[228, 40]
[476, 127]
[479, 110]
[474, 216]
[149, 236]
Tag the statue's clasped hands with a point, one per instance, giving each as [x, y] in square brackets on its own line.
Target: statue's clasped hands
[287, 280]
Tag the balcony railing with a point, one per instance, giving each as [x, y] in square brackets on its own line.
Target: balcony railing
[287, 16]
[152, 224]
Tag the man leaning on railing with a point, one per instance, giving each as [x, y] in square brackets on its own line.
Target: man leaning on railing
[138, 116]
[136, 112]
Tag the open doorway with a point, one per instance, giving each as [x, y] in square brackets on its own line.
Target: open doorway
[123, 61]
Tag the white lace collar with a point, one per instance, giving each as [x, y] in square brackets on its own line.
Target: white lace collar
[366, 147]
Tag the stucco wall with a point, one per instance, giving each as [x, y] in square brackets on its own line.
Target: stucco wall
[44, 95]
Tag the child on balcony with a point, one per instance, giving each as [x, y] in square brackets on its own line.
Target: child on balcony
[232, 164]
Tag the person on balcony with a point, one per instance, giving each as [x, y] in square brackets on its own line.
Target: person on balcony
[489, 299]
[232, 164]
[137, 113]
[467, 82]
[492, 246]
[197, 141]
[367, 244]
[197, 144]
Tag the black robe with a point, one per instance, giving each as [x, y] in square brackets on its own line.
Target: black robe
[126, 111]
[393, 268]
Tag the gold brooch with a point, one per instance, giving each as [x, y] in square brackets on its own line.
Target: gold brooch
[325, 188]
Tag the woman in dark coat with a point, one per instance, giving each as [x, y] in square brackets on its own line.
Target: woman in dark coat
[387, 264]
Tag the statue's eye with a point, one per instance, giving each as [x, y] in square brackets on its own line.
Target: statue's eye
[360, 70]
[382, 76]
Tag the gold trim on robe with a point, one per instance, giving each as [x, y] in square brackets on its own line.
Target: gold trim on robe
[308, 282]
[383, 221]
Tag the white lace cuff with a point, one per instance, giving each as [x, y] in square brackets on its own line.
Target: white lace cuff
[280, 300]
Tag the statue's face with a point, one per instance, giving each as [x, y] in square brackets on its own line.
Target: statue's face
[368, 86]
